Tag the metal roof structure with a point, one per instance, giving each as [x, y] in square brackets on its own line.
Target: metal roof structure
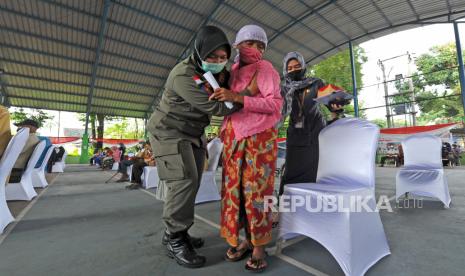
[113, 56]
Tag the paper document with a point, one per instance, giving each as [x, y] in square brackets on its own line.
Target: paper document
[214, 84]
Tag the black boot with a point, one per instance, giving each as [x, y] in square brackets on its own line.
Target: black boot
[196, 242]
[182, 251]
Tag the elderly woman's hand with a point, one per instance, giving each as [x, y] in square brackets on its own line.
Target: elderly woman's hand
[226, 95]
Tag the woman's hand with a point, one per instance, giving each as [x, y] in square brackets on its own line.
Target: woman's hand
[334, 108]
[226, 95]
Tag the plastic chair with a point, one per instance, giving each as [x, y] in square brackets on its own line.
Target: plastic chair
[9, 157]
[423, 173]
[208, 190]
[24, 190]
[346, 171]
[38, 174]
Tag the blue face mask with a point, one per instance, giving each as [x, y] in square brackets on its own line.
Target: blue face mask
[215, 68]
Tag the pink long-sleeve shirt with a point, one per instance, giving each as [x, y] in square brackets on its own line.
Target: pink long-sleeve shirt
[261, 111]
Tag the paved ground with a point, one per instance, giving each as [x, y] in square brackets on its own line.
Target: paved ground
[80, 226]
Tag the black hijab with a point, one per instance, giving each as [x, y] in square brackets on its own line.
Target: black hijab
[208, 39]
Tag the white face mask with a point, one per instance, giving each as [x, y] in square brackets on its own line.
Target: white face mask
[215, 68]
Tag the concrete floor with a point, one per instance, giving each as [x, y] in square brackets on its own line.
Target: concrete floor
[80, 226]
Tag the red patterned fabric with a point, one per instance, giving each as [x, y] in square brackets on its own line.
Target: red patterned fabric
[248, 176]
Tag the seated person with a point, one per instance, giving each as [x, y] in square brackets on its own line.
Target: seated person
[60, 153]
[97, 153]
[99, 157]
[143, 158]
[26, 153]
[107, 160]
[391, 154]
[5, 132]
[455, 155]
[445, 152]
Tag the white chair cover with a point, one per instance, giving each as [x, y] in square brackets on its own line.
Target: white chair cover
[11, 153]
[423, 173]
[38, 174]
[150, 177]
[59, 166]
[24, 189]
[346, 170]
[208, 190]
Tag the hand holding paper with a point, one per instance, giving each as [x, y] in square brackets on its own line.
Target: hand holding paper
[214, 84]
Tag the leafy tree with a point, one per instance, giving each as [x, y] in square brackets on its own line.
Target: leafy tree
[439, 97]
[337, 70]
[35, 114]
[381, 123]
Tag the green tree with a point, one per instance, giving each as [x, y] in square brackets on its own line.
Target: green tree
[35, 114]
[381, 123]
[337, 70]
[438, 85]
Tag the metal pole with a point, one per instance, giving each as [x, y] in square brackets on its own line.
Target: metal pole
[460, 63]
[386, 94]
[354, 78]
[59, 119]
[145, 128]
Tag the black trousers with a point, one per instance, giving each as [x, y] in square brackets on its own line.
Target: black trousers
[301, 165]
[137, 170]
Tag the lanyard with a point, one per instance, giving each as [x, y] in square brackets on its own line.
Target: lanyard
[301, 101]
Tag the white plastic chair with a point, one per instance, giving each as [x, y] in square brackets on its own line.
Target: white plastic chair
[346, 170]
[59, 166]
[150, 177]
[423, 173]
[9, 157]
[208, 190]
[38, 174]
[24, 189]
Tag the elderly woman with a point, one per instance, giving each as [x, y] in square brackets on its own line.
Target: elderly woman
[250, 149]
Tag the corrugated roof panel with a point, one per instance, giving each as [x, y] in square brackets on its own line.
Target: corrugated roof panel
[46, 30]
[44, 60]
[292, 7]
[132, 65]
[159, 22]
[45, 73]
[123, 97]
[124, 53]
[265, 13]
[50, 46]
[429, 8]
[88, 6]
[195, 7]
[124, 86]
[18, 92]
[132, 78]
[47, 85]
[119, 104]
[142, 40]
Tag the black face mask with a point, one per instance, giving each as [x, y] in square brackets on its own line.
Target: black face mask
[295, 75]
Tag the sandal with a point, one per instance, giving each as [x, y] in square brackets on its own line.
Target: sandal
[275, 220]
[258, 265]
[244, 252]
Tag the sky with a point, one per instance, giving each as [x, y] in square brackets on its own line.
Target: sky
[415, 41]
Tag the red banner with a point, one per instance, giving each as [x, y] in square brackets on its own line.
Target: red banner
[63, 140]
[414, 129]
[110, 141]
